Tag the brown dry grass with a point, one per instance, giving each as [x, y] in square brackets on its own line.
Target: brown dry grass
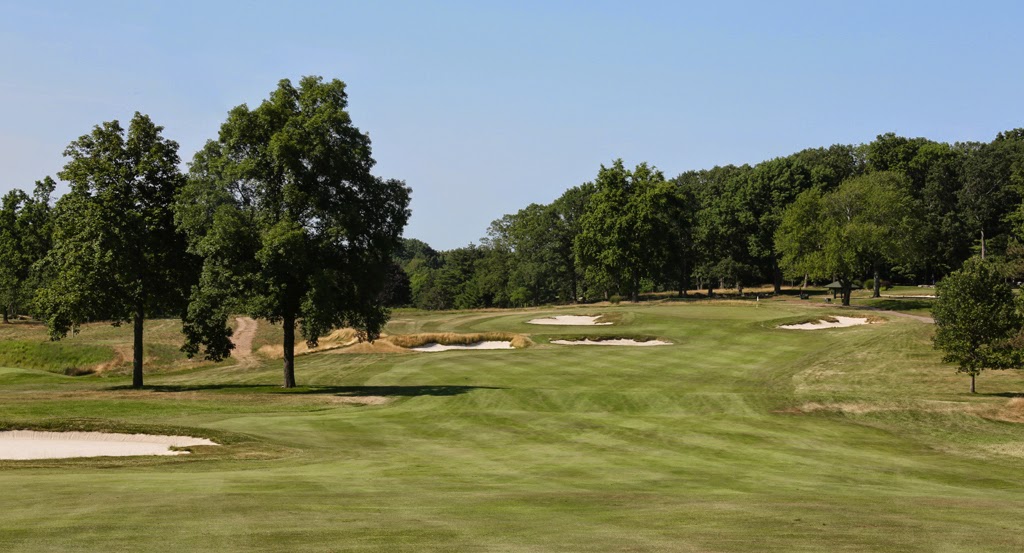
[453, 339]
[1011, 411]
[378, 346]
[338, 339]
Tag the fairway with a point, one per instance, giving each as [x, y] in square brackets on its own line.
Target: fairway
[738, 436]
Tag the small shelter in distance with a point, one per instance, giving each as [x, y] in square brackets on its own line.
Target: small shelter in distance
[835, 287]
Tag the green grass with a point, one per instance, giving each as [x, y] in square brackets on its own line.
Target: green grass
[739, 437]
[53, 356]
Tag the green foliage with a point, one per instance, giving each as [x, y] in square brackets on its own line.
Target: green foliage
[622, 237]
[116, 253]
[25, 236]
[850, 231]
[291, 224]
[978, 318]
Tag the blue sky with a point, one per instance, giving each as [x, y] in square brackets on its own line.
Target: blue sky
[484, 107]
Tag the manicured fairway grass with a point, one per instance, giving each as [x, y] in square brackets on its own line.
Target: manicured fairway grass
[739, 437]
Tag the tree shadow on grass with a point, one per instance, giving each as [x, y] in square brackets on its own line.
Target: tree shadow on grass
[898, 305]
[351, 391]
[1003, 394]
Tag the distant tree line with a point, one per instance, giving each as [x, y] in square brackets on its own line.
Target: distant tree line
[898, 209]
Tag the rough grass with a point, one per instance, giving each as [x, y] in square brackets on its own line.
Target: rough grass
[66, 358]
[740, 438]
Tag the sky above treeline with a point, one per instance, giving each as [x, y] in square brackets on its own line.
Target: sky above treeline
[485, 107]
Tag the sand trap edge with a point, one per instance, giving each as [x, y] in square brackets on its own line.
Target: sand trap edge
[569, 320]
[628, 342]
[434, 347]
[822, 324]
[24, 445]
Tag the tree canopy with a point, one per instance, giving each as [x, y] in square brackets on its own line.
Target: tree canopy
[850, 231]
[622, 237]
[116, 253]
[978, 320]
[291, 224]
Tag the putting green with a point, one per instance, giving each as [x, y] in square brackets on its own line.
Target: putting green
[739, 437]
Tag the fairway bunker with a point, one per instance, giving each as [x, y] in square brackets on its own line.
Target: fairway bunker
[490, 344]
[569, 320]
[30, 444]
[828, 322]
[612, 342]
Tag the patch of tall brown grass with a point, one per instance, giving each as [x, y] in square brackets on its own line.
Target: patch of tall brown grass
[340, 338]
[456, 339]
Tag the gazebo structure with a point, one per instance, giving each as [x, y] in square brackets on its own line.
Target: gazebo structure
[835, 287]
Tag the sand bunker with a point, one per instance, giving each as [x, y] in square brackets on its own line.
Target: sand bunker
[835, 322]
[569, 320]
[611, 342]
[29, 444]
[434, 346]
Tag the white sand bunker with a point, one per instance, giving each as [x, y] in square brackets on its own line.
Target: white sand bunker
[836, 322]
[569, 320]
[434, 346]
[29, 444]
[611, 342]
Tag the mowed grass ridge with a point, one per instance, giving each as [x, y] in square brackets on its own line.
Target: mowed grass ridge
[739, 437]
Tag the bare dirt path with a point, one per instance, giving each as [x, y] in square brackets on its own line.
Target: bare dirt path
[242, 338]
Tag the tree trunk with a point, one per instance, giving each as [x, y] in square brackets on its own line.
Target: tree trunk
[636, 287]
[777, 274]
[878, 285]
[846, 294]
[6, 320]
[684, 279]
[973, 391]
[575, 287]
[137, 347]
[289, 351]
[983, 243]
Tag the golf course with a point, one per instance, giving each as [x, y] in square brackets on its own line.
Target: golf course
[735, 436]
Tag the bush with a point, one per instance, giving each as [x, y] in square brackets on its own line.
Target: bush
[615, 299]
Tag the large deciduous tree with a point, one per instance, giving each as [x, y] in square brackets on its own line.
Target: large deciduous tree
[622, 238]
[117, 255]
[848, 232]
[291, 224]
[978, 319]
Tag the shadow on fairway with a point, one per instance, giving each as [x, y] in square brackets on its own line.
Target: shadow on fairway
[387, 391]
[1003, 394]
[898, 305]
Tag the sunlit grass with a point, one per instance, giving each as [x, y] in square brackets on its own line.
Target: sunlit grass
[738, 437]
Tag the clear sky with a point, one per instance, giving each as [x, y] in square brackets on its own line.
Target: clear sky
[484, 107]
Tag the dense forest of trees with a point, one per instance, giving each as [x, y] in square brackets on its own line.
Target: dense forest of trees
[898, 209]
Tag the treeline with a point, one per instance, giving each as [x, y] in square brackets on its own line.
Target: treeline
[898, 209]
